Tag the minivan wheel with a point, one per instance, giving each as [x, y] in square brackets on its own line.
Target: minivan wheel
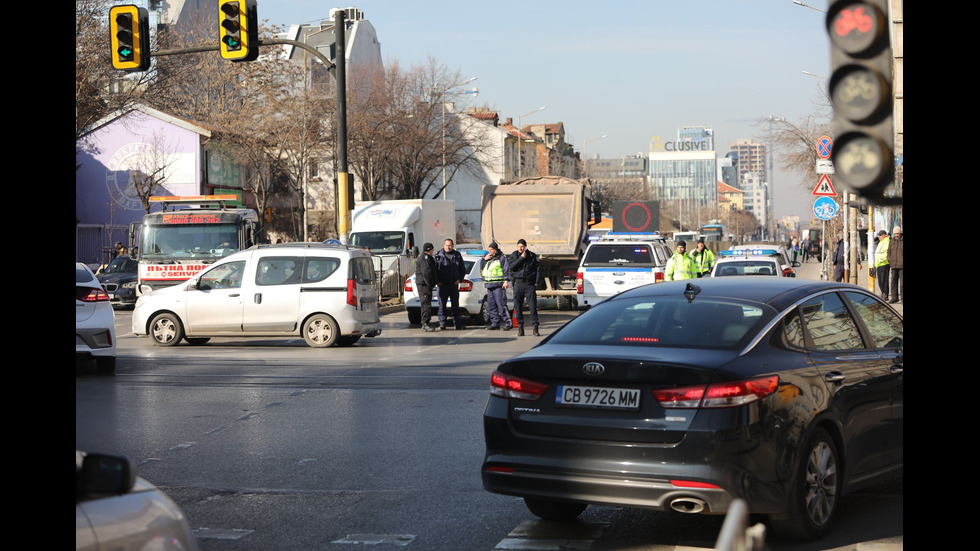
[320, 331]
[813, 499]
[165, 330]
[555, 510]
[105, 364]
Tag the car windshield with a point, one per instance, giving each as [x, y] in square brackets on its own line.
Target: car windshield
[121, 265]
[663, 321]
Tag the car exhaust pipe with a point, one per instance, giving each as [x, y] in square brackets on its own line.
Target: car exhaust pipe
[688, 505]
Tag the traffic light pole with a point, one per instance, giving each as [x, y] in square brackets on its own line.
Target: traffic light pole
[270, 42]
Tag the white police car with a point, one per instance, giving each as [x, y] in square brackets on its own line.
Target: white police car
[762, 262]
[472, 293]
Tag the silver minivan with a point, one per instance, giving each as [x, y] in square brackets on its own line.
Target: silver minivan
[325, 293]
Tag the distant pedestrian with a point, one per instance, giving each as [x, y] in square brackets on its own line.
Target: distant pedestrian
[119, 249]
[426, 278]
[839, 260]
[896, 260]
[680, 265]
[494, 269]
[805, 249]
[452, 272]
[794, 247]
[880, 262]
[524, 268]
[704, 259]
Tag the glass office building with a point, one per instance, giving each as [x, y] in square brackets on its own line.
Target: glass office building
[685, 171]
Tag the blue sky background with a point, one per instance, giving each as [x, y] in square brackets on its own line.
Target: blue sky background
[630, 70]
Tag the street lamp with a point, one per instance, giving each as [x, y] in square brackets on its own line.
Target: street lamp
[585, 152]
[445, 185]
[520, 145]
[798, 3]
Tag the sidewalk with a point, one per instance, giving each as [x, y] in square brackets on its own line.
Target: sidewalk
[812, 270]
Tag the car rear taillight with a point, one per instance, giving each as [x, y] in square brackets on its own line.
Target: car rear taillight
[509, 386]
[718, 395]
[90, 294]
[465, 286]
[579, 283]
[351, 292]
[408, 285]
[658, 277]
[787, 271]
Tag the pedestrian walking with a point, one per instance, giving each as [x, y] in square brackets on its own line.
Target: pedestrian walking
[524, 271]
[839, 260]
[452, 271]
[896, 261]
[794, 247]
[704, 259]
[680, 265]
[426, 279]
[494, 269]
[880, 262]
[805, 249]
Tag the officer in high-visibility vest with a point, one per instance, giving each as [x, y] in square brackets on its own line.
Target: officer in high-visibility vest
[704, 259]
[880, 262]
[495, 269]
[680, 265]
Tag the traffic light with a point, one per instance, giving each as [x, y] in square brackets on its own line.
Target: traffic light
[861, 94]
[239, 29]
[129, 37]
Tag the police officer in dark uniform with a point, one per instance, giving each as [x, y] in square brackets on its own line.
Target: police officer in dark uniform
[524, 268]
[426, 278]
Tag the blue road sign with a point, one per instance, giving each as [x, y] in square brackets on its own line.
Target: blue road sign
[824, 146]
[825, 208]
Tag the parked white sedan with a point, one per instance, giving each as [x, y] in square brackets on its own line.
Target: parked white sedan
[472, 293]
[95, 322]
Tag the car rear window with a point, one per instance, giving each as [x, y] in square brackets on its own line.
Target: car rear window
[618, 255]
[663, 321]
[747, 267]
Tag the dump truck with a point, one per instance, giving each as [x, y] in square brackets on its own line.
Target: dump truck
[553, 214]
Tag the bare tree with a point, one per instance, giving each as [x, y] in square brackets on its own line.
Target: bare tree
[151, 168]
[99, 88]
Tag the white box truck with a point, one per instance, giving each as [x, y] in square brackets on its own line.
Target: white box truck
[394, 232]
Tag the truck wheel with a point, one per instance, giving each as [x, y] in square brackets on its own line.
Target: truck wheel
[414, 316]
[165, 330]
[320, 331]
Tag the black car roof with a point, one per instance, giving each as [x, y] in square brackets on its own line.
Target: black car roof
[776, 292]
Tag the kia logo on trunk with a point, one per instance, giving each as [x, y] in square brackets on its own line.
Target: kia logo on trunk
[594, 368]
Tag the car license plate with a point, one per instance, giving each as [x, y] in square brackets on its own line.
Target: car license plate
[598, 397]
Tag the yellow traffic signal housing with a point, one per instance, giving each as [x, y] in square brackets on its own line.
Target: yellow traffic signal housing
[238, 28]
[861, 93]
[129, 38]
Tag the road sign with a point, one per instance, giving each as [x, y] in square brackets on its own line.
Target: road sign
[825, 166]
[824, 146]
[824, 188]
[825, 208]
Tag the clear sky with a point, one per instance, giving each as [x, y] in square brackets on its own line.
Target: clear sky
[627, 69]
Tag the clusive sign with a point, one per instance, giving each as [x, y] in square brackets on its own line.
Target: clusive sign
[657, 144]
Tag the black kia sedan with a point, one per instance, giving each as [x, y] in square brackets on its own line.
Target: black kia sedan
[685, 396]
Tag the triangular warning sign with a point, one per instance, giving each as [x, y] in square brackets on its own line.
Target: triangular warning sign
[824, 188]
